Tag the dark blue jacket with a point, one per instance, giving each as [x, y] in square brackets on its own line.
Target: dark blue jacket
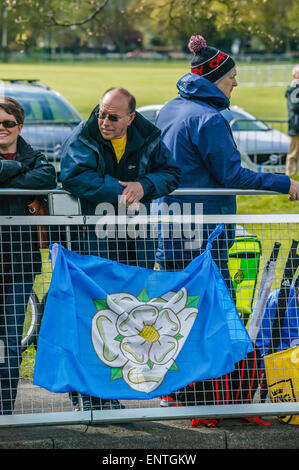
[89, 169]
[202, 145]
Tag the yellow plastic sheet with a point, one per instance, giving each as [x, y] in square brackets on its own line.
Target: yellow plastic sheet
[282, 370]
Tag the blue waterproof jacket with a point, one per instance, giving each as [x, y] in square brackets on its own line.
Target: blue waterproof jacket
[202, 145]
[201, 142]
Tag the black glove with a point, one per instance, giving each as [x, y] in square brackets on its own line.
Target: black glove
[10, 168]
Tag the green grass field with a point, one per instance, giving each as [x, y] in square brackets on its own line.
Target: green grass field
[151, 82]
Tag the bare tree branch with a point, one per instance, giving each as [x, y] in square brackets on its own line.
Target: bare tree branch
[85, 20]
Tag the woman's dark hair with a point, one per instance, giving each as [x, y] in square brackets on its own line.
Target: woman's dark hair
[11, 106]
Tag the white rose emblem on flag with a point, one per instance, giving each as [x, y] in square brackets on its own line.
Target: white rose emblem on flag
[139, 338]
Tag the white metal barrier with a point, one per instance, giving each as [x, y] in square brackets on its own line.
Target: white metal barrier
[250, 253]
[264, 75]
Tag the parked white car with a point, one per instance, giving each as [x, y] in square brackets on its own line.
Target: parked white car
[262, 147]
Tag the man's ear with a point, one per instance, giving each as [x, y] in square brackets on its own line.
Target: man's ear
[131, 118]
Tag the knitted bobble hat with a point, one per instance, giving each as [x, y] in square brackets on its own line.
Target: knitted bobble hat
[209, 62]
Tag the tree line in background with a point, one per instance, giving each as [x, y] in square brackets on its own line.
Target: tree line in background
[125, 25]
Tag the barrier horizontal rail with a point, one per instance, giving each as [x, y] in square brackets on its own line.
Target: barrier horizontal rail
[148, 414]
[37, 406]
[93, 219]
[61, 202]
[177, 192]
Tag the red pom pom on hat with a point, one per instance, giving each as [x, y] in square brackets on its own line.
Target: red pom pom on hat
[207, 61]
[196, 44]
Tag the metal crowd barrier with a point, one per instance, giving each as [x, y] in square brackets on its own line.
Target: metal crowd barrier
[249, 256]
[264, 75]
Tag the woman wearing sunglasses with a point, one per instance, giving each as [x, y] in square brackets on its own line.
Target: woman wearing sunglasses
[25, 168]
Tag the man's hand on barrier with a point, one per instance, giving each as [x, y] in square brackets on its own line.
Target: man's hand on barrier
[132, 193]
[294, 191]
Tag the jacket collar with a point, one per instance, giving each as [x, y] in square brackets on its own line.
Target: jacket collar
[23, 148]
[140, 132]
[192, 86]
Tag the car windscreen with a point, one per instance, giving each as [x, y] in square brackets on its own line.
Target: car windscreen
[239, 122]
[150, 114]
[45, 107]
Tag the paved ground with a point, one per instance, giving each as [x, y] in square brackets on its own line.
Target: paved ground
[138, 434]
[177, 434]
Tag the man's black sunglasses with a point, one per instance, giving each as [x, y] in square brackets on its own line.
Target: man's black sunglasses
[9, 124]
[111, 117]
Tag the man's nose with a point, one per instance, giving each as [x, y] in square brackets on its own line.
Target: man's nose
[106, 120]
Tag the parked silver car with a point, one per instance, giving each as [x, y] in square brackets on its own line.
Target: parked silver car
[49, 117]
[262, 147]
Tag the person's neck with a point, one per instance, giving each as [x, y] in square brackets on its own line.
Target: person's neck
[119, 138]
[8, 149]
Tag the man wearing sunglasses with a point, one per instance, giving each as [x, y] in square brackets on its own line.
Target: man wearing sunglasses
[117, 154]
[116, 157]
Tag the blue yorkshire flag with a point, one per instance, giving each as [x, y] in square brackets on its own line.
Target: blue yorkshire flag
[115, 331]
